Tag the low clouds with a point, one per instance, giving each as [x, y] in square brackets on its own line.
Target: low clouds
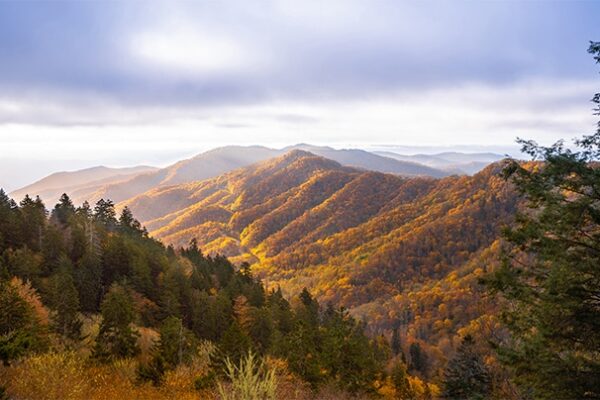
[288, 71]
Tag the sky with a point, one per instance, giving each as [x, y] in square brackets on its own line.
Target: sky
[148, 82]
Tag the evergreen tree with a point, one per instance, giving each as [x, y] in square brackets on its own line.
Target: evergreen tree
[347, 353]
[33, 222]
[104, 213]
[128, 224]
[177, 344]
[63, 210]
[10, 228]
[466, 376]
[418, 359]
[308, 311]
[88, 280]
[117, 338]
[235, 344]
[53, 249]
[261, 329]
[550, 274]
[396, 342]
[64, 299]
[203, 319]
[116, 260]
[20, 329]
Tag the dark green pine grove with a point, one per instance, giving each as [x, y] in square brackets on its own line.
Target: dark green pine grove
[85, 261]
[551, 272]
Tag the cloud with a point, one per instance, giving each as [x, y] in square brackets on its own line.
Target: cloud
[286, 71]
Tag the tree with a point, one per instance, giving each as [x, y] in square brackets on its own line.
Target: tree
[10, 229]
[550, 274]
[418, 358]
[21, 328]
[235, 343]
[177, 343]
[308, 310]
[466, 376]
[396, 342]
[88, 280]
[117, 338]
[64, 299]
[400, 380]
[104, 212]
[347, 353]
[33, 222]
[64, 210]
[128, 224]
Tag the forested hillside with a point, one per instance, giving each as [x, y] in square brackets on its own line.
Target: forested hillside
[371, 242]
[94, 308]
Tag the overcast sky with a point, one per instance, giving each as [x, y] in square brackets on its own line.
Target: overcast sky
[127, 82]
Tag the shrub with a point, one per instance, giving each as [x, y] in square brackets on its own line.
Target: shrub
[250, 380]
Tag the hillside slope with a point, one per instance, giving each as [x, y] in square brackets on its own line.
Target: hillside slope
[51, 187]
[356, 238]
[96, 183]
[450, 162]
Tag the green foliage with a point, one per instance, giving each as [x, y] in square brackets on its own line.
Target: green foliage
[64, 210]
[466, 376]
[105, 214]
[117, 338]
[400, 380]
[20, 328]
[235, 343]
[206, 382]
[152, 371]
[550, 275]
[64, 299]
[87, 261]
[177, 343]
[88, 279]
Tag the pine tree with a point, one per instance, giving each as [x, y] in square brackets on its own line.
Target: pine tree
[117, 338]
[235, 344]
[261, 329]
[64, 299]
[88, 280]
[64, 210]
[396, 342]
[550, 275]
[33, 222]
[177, 343]
[308, 310]
[466, 376]
[21, 330]
[127, 223]
[418, 358]
[10, 229]
[104, 213]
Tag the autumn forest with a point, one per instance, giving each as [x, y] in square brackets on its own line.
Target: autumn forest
[307, 273]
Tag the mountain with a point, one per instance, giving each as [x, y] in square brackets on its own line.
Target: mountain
[88, 185]
[451, 162]
[371, 161]
[354, 237]
[51, 187]
[224, 159]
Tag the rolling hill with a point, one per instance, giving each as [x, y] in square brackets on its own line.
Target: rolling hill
[358, 238]
[78, 183]
[451, 162]
[96, 183]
